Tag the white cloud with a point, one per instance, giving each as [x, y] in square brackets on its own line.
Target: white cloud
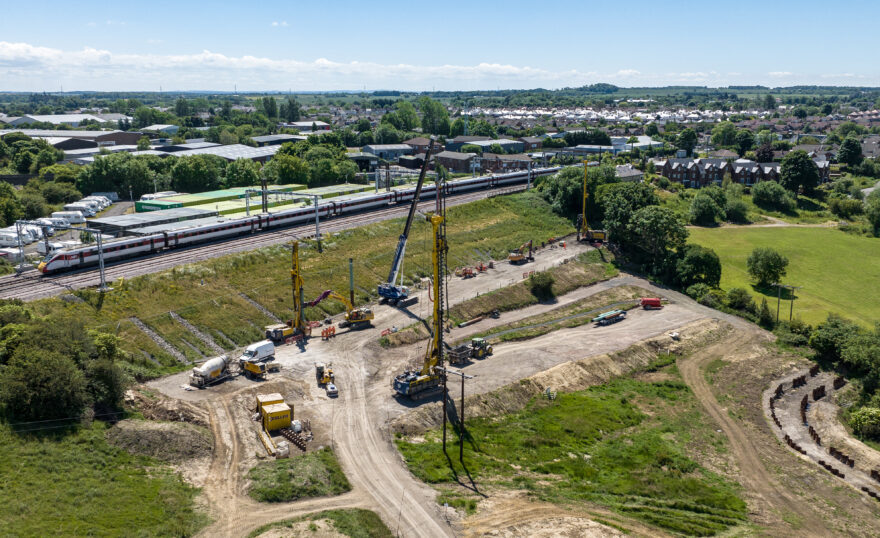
[780, 73]
[277, 23]
[27, 67]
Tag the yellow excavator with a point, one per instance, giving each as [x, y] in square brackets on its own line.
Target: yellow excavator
[415, 383]
[355, 318]
[521, 255]
[584, 233]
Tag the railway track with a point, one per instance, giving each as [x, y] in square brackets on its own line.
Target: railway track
[31, 285]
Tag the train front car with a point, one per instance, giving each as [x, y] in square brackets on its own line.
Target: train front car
[52, 262]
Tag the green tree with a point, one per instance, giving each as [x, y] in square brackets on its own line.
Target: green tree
[387, 134]
[736, 210]
[269, 106]
[800, 113]
[724, 134]
[769, 102]
[866, 422]
[765, 317]
[764, 153]
[242, 173]
[434, 116]
[228, 137]
[850, 151]
[10, 207]
[704, 211]
[872, 211]
[830, 336]
[286, 169]
[471, 148]
[541, 285]
[772, 195]
[744, 141]
[687, 140]
[797, 171]
[740, 299]
[496, 149]
[657, 233]
[766, 265]
[181, 107]
[619, 203]
[362, 125]
[42, 385]
[196, 173]
[407, 116]
[699, 265]
[59, 193]
[652, 130]
[143, 143]
[457, 128]
[33, 205]
[290, 110]
[322, 172]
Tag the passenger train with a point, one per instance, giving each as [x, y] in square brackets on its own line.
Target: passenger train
[64, 260]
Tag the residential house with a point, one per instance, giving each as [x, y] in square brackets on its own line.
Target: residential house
[419, 144]
[629, 173]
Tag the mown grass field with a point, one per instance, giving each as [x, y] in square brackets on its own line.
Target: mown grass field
[74, 483]
[207, 294]
[838, 271]
[314, 474]
[352, 522]
[623, 445]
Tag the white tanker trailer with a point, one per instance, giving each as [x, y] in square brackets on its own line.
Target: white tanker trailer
[212, 371]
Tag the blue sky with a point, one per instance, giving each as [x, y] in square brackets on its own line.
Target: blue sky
[326, 45]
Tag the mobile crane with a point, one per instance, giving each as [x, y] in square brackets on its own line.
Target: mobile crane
[354, 317]
[391, 290]
[415, 383]
[584, 233]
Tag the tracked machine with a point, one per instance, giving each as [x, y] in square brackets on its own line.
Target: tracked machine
[584, 233]
[295, 328]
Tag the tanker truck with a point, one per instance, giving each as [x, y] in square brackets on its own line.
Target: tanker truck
[212, 371]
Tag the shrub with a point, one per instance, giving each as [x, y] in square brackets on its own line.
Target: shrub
[42, 386]
[541, 285]
[697, 291]
[765, 317]
[772, 195]
[846, 208]
[737, 211]
[766, 265]
[740, 299]
[699, 265]
[830, 336]
[704, 211]
[866, 422]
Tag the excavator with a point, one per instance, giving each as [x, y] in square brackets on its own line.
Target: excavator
[584, 233]
[415, 384]
[296, 327]
[355, 318]
[521, 255]
[393, 289]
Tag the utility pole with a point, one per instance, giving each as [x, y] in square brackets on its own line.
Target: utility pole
[317, 197]
[463, 376]
[778, 299]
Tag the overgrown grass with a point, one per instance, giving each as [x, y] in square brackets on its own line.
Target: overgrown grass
[62, 483]
[353, 522]
[314, 474]
[207, 293]
[835, 270]
[623, 445]
[809, 210]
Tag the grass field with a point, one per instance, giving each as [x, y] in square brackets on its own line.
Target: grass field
[838, 271]
[76, 484]
[314, 474]
[809, 210]
[623, 445]
[207, 294]
[352, 522]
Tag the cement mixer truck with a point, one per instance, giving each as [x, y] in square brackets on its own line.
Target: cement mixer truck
[212, 371]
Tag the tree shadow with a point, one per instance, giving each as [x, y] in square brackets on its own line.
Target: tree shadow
[772, 292]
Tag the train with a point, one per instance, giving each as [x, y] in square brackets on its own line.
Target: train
[66, 260]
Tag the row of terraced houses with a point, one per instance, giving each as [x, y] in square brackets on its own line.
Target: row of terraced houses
[701, 172]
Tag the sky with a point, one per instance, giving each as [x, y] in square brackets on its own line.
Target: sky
[448, 45]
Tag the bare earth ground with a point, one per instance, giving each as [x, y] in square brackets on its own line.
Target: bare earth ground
[358, 424]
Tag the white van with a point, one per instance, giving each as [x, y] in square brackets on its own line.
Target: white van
[82, 208]
[41, 247]
[72, 217]
[55, 222]
[47, 226]
[261, 351]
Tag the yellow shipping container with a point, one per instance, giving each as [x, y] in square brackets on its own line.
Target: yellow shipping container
[276, 416]
[267, 399]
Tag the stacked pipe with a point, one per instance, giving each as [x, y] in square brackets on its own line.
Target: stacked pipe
[814, 370]
[779, 391]
[773, 412]
[841, 457]
[875, 475]
[839, 381]
[815, 436]
[804, 403]
[794, 445]
[831, 469]
[819, 392]
[871, 493]
[799, 381]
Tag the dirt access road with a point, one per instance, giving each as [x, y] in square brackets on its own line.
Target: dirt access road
[761, 485]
